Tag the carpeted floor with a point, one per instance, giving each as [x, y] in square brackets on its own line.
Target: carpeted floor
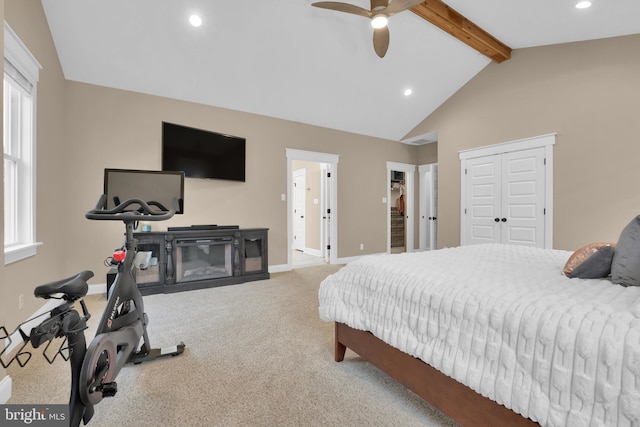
[257, 355]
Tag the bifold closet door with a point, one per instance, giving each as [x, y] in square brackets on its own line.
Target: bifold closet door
[505, 195]
[523, 197]
[484, 200]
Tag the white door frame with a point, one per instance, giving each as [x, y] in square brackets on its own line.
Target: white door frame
[547, 141]
[409, 179]
[325, 203]
[332, 161]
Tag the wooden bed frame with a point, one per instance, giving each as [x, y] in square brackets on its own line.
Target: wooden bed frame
[456, 400]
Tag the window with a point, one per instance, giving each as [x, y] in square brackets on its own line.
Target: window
[21, 71]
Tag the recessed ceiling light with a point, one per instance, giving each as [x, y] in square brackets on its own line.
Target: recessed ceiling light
[195, 20]
[408, 92]
[583, 5]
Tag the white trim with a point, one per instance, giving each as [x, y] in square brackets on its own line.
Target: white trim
[347, 260]
[279, 268]
[506, 147]
[20, 56]
[5, 389]
[402, 167]
[97, 289]
[17, 53]
[546, 141]
[17, 253]
[313, 156]
[313, 252]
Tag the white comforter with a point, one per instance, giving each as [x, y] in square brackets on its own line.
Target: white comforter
[504, 321]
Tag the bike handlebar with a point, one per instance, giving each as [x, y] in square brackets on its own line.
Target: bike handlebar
[120, 212]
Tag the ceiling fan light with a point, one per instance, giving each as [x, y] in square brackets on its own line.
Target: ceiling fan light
[195, 20]
[379, 21]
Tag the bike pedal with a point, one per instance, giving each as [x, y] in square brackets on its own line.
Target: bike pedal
[108, 389]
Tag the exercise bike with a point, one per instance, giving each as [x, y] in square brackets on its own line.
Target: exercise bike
[121, 329]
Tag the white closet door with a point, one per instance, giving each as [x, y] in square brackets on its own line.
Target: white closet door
[523, 197]
[484, 201]
[505, 198]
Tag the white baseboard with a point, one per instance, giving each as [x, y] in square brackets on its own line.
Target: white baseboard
[5, 389]
[347, 260]
[314, 252]
[100, 288]
[279, 268]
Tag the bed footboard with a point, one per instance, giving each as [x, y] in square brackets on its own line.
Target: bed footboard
[456, 400]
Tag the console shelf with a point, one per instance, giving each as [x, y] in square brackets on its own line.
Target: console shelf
[191, 258]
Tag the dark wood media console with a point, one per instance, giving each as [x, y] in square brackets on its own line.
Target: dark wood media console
[188, 258]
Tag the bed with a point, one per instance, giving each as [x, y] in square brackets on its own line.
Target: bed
[494, 334]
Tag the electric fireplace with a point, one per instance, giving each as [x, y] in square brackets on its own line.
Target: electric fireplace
[197, 257]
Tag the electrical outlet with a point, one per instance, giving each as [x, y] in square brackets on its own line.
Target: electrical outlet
[362, 246]
[20, 301]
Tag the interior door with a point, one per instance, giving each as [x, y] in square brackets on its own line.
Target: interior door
[505, 198]
[428, 228]
[483, 200]
[433, 209]
[299, 209]
[523, 197]
[326, 211]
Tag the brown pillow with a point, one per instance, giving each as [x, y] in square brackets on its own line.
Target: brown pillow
[581, 255]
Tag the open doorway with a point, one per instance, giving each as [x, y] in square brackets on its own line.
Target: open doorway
[398, 226]
[400, 219]
[311, 208]
[309, 205]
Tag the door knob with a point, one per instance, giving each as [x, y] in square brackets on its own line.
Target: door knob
[504, 220]
[496, 219]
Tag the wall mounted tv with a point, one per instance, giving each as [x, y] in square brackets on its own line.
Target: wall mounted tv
[202, 154]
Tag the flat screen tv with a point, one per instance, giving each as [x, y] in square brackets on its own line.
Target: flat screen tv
[149, 186]
[202, 154]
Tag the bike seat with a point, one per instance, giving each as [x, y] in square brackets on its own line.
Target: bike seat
[71, 288]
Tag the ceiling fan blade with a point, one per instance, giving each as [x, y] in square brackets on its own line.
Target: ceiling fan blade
[343, 7]
[381, 41]
[399, 5]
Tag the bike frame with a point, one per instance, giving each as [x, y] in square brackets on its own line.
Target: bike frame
[123, 324]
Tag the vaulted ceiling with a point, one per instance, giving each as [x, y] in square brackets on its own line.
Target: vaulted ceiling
[289, 60]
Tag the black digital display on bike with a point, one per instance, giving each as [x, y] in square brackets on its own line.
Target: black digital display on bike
[159, 187]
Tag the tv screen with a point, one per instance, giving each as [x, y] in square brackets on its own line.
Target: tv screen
[149, 186]
[202, 154]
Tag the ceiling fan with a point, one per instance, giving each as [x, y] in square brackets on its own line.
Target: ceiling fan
[381, 11]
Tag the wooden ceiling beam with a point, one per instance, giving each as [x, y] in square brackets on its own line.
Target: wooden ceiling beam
[447, 19]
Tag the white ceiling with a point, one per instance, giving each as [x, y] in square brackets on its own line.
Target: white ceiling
[287, 59]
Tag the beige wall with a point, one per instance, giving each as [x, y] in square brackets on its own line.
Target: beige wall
[27, 19]
[586, 92]
[83, 129]
[112, 128]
